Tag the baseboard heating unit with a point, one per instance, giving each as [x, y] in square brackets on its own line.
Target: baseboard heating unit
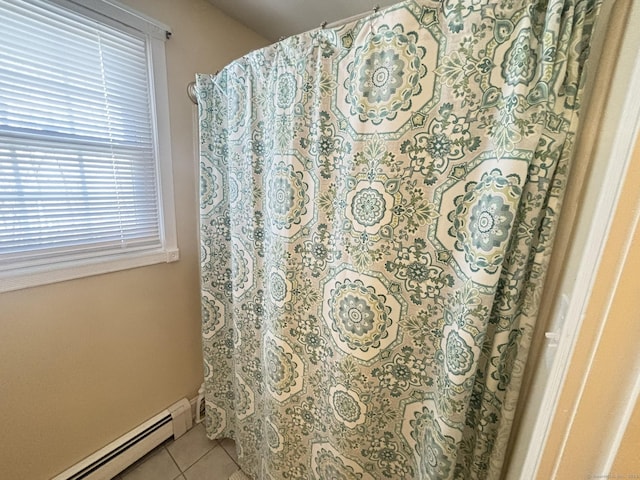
[119, 454]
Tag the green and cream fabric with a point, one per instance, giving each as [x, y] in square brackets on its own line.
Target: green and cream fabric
[378, 203]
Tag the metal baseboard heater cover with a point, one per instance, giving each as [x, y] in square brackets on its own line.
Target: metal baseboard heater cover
[124, 451]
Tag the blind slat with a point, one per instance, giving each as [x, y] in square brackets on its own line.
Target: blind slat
[77, 149]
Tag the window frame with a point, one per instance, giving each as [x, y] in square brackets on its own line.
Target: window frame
[54, 269]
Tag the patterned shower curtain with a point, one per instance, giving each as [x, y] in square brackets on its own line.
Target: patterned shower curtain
[378, 205]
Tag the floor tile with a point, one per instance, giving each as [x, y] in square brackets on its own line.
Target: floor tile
[158, 466]
[230, 447]
[215, 465]
[190, 447]
[239, 475]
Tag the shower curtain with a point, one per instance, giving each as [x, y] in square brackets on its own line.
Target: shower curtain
[378, 205]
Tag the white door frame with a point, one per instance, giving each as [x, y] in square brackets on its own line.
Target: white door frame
[623, 118]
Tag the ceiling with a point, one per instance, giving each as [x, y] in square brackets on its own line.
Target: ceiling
[282, 18]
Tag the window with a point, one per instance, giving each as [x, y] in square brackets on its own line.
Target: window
[85, 171]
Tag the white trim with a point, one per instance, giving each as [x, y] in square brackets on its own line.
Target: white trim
[608, 200]
[623, 417]
[112, 459]
[621, 429]
[161, 116]
[626, 123]
[113, 10]
[83, 265]
[70, 270]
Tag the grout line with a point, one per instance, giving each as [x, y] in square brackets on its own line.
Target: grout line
[141, 461]
[201, 456]
[230, 457]
[195, 461]
[228, 454]
[174, 461]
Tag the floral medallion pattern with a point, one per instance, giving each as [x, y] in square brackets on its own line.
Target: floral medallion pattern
[520, 62]
[329, 463]
[289, 197]
[385, 75]
[378, 203]
[347, 406]
[212, 315]
[284, 369]
[208, 186]
[241, 269]
[244, 399]
[370, 207]
[274, 438]
[434, 449]
[363, 318]
[447, 139]
[286, 90]
[483, 219]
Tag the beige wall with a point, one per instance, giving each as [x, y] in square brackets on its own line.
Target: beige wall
[606, 354]
[84, 361]
[627, 462]
[596, 134]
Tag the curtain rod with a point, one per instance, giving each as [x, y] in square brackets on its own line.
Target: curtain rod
[191, 87]
[352, 18]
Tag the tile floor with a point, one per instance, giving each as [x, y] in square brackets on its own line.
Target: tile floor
[191, 457]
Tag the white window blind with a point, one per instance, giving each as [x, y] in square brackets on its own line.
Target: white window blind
[78, 169]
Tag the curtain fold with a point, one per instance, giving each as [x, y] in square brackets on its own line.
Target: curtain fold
[378, 205]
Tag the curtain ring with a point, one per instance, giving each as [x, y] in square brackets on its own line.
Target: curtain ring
[192, 92]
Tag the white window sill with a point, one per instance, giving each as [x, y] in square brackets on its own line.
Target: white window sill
[68, 270]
